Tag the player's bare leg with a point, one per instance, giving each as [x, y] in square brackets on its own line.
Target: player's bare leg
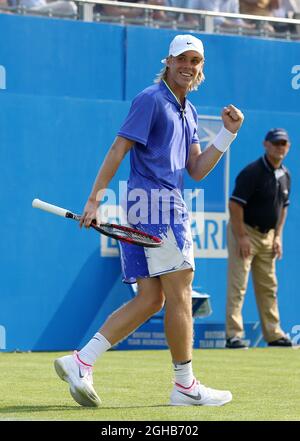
[76, 369]
[177, 287]
[149, 300]
[187, 391]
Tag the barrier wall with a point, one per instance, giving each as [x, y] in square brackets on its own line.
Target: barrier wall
[62, 57]
[65, 88]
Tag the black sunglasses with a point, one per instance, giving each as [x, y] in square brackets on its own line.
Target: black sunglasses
[279, 143]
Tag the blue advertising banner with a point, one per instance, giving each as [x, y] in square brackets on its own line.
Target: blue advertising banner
[62, 102]
[151, 335]
[62, 57]
[253, 73]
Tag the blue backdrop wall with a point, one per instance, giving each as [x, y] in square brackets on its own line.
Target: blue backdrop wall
[65, 89]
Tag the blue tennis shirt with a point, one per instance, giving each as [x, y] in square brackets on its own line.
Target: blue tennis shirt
[163, 132]
[163, 135]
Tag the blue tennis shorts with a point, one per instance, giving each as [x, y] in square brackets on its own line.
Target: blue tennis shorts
[175, 254]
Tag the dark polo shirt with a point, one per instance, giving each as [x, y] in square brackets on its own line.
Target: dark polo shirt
[263, 192]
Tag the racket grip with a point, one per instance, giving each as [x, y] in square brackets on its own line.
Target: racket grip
[37, 203]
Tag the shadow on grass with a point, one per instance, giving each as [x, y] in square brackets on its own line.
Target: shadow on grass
[25, 408]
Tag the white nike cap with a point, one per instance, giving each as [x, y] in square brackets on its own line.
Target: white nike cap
[184, 43]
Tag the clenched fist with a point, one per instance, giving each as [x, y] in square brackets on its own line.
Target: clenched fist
[232, 118]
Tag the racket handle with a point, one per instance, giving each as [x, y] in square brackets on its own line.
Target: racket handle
[37, 203]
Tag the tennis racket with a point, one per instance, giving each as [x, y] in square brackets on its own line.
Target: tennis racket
[119, 232]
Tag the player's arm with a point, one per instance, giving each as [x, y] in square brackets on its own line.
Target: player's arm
[201, 163]
[105, 174]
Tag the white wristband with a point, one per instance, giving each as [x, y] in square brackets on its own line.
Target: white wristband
[223, 139]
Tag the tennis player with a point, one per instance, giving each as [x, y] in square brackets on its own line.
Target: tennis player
[160, 132]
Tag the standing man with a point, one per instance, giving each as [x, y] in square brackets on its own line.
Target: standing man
[160, 132]
[258, 209]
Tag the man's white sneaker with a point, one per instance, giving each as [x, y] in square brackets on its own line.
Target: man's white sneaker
[198, 395]
[80, 379]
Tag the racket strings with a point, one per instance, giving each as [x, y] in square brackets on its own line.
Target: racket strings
[134, 235]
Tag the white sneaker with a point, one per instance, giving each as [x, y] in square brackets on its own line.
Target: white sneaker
[198, 395]
[80, 379]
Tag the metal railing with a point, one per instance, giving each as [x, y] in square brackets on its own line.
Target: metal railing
[204, 21]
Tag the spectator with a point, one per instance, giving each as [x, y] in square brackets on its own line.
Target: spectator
[181, 4]
[260, 7]
[252, 7]
[275, 8]
[4, 5]
[117, 11]
[132, 12]
[57, 7]
[231, 6]
[178, 3]
[296, 15]
[296, 5]
[286, 9]
[159, 15]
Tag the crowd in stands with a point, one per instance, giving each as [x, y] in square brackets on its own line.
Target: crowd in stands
[276, 8]
[56, 7]
[271, 8]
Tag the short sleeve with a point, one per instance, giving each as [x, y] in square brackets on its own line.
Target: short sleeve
[245, 185]
[195, 139]
[287, 202]
[139, 120]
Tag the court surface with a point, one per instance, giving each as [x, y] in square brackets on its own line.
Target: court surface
[135, 386]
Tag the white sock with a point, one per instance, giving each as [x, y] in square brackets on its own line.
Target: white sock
[93, 349]
[184, 373]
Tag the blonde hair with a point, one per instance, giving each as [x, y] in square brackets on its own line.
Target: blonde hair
[162, 75]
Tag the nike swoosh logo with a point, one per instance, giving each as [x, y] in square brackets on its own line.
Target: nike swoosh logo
[80, 374]
[189, 43]
[194, 397]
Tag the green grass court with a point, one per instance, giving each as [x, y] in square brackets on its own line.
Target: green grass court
[135, 386]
